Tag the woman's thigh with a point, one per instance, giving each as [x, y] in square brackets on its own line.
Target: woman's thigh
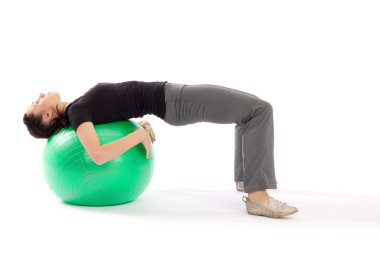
[187, 104]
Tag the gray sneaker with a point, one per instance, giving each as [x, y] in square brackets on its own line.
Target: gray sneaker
[240, 186]
[271, 207]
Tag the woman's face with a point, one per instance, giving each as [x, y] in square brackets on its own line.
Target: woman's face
[44, 103]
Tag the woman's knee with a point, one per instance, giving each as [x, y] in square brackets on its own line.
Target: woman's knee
[263, 107]
[267, 106]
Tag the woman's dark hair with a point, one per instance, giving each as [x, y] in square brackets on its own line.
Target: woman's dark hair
[38, 129]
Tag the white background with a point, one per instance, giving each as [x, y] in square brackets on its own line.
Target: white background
[316, 62]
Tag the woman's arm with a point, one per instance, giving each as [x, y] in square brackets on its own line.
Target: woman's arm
[103, 153]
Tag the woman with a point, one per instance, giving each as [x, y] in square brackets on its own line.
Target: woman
[178, 105]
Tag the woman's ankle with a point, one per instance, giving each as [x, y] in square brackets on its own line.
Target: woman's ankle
[258, 195]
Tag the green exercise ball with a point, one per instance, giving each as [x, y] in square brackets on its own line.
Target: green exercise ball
[73, 176]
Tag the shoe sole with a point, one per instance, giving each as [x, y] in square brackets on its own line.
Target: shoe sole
[273, 214]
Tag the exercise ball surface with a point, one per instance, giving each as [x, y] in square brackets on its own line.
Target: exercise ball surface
[76, 179]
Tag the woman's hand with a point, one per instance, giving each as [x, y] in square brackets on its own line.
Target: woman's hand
[146, 125]
[147, 142]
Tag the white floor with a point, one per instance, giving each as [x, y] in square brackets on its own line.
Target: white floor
[190, 220]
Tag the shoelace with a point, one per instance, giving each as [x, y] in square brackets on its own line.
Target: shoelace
[276, 203]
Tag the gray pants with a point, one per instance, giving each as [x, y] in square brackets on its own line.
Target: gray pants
[254, 137]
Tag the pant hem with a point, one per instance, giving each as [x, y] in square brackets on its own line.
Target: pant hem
[248, 189]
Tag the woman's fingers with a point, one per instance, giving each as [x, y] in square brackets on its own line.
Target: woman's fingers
[152, 134]
[147, 144]
[144, 123]
[147, 153]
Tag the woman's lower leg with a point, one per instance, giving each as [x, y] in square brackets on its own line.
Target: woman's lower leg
[257, 151]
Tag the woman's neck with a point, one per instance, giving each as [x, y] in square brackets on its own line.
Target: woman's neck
[62, 107]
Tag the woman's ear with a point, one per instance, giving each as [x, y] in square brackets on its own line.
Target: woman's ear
[47, 116]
